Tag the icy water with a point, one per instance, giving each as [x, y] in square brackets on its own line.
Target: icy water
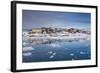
[57, 51]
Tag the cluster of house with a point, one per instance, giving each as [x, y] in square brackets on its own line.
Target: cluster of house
[50, 30]
[55, 30]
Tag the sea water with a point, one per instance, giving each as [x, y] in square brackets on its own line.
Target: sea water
[62, 50]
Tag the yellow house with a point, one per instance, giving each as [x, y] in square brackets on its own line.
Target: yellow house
[36, 30]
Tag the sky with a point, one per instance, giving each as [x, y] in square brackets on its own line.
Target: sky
[37, 19]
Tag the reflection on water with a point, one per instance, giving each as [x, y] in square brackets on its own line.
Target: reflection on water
[56, 50]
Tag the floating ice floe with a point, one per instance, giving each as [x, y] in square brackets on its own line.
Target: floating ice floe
[82, 52]
[27, 54]
[50, 52]
[66, 48]
[24, 43]
[28, 48]
[72, 54]
[54, 54]
[51, 56]
[54, 45]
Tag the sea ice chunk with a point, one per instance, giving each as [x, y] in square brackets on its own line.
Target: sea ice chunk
[27, 54]
[54, 45]
[24, 43]
[72, 54]
[28, 48]
[54, 54]
[51, 56]
[66, 48]
[50, 52]
[82, 52]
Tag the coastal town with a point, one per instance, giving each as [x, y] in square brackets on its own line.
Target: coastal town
[44, 35]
